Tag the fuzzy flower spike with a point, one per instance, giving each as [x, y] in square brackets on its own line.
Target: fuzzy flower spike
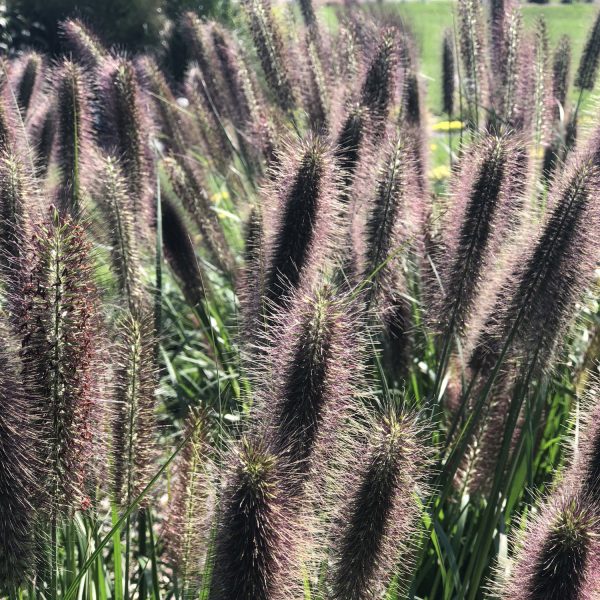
[302, 218]
[380, 512]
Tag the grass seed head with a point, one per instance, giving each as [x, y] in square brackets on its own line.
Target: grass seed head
[180, 253]
[480, 214]
[41, 132]
[117, 206]
[84, 46]
[15, 195]
[242, 101]
[535, 305]
[588, 63]
[561, 70]
[377, 93]
[380, 512]
[473, 54]
[191, 505]
[126, 128]
[350, 142]
[448, 73]
[30, 81]
[62, 359]
[185, 178]
[134, 426]
[385, 233]
[268, 42]
[314, 351]
[303, 201]
[255, 538]
[73, 135]
[19, 469]
[558, 556]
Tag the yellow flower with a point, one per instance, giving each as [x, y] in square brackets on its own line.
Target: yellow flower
[433, 147]
[219, 197]
[440, 173]
[448, 126]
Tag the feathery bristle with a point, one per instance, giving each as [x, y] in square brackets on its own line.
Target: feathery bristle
[253, 238]
[347, 45]
[190, 507]
[250, 286]
[125, 127]
[510, 65]
[472, 50]
[318, 102]
[196, 36]
[378, 86]
[242, 99]
[168, 117]
[73, 133]
[29, 81]
[82, 43]
[484, 462]
[481, 209]
[61, 361]
[561, 70]
[7, 122]
[392, 219]
[499, 10]
[254, 541]
[349, 143]
[381, 512]
[134, 423]
[561, 76]
[588, 63]
[14, 196]
[18, 466]
[542, 109]
[245, 102]
[305, 224]
[180, 254]
[536, 304]
[448, 73]
[315, 356]
[558, 557]
[116, 203]
[41, 131]
[584, 468]
[384, 232]
[269, 47]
